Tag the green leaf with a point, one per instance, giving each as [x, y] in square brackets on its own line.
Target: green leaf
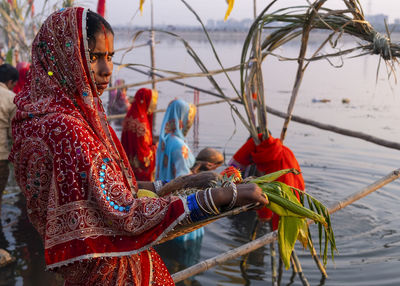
[268, 178]
[288, 232]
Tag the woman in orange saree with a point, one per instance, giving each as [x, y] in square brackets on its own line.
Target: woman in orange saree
[81, 194]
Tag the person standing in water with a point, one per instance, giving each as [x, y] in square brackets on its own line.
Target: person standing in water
[81, 194]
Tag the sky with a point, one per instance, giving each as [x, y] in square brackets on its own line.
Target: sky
[174, 12]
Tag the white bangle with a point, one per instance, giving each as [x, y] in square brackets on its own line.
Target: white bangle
[157, 186]
[214, 207]
[234, 196]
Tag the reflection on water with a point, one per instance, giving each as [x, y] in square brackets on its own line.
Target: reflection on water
[333, 166]
[23, 242]
[179, 255]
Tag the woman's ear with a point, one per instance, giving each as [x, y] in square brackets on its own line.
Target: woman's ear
[11, 83]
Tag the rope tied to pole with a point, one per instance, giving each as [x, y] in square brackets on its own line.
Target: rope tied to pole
[381, 46]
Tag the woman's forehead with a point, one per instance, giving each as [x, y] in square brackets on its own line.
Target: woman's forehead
[104, 42]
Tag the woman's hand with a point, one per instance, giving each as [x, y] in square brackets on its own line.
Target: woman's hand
[250, 193]
[201, 166]
[246, 194]
[201, 180]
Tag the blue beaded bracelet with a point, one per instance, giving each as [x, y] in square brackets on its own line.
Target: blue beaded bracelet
[196, 214]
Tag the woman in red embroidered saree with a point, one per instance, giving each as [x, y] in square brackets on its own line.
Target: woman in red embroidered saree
[71, 167]
[137, 135]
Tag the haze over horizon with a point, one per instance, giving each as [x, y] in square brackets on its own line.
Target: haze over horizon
[174, 12]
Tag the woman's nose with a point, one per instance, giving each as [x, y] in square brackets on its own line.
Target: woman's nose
[106, 68]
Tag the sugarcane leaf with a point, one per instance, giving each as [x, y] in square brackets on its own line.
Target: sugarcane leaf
[281, 211]
[288, 200]
[268, 178]
[287, 235]
[325, 256]
[303, 234]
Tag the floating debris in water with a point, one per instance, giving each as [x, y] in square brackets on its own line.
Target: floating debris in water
[324, 100]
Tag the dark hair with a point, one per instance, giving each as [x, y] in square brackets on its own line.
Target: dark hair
[94, 25]
[8, 72]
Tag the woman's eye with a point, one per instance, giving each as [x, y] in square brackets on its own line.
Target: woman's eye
[93, 58]
[109, 58]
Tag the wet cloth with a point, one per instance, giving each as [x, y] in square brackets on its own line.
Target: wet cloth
[137, 136]
[23, 69]
[269, 156]
[117, 100]
[80, 190]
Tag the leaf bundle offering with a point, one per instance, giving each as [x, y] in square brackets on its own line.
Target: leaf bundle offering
[293, 214]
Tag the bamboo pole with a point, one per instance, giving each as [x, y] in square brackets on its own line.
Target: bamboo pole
[339, 130]
[366, 191]
[152, 56]
[328, 127]
[121, 116]
[274, 270]
[153, 61]
[231, 254]
[270, 237]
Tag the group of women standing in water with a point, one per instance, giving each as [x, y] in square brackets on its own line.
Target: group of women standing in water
[80, 189]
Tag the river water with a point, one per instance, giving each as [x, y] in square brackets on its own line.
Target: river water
[334, 166]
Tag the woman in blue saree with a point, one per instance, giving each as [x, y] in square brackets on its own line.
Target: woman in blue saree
[174, 157]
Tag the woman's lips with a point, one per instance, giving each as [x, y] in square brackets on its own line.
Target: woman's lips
[102, 85]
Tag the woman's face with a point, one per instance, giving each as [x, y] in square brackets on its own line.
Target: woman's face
[101, 60]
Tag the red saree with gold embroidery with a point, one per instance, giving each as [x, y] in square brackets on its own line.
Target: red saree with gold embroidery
[74, 173]
[137, 136]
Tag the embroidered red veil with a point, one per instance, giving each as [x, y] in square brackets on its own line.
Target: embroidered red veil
[137, 136]
[66, 157]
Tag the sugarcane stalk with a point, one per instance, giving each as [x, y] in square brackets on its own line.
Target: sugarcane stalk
[300, 70]
[274, 273]
[299, 269]
[316, 259]
[294, 272]
[280, 271]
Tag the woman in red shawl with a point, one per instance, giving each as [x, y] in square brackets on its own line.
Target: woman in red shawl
[137, 135]
[81, 193]
[22, 68]
[269, 156]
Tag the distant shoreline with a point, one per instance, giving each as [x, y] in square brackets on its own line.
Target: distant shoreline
[197, 35]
